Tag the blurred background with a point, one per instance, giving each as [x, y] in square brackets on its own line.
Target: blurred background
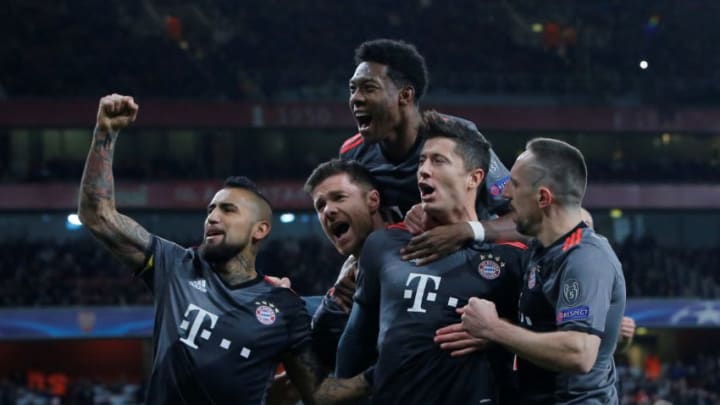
[259, 88]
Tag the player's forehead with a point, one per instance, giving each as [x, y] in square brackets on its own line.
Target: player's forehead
[337, 183]
[369, 71]
[232, 195]
[520, 170]
[439, 146]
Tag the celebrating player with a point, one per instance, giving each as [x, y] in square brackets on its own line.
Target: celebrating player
[385, 92]
[220, 328]
[573, 292]
[399, 305]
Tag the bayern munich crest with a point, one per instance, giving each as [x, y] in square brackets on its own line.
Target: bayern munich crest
[266, 312]
[490, 267]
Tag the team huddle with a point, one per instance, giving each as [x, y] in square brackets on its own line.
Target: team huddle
[464, 283]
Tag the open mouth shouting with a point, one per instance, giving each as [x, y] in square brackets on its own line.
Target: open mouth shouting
[364, 120]
[427, 192]
[338, 229]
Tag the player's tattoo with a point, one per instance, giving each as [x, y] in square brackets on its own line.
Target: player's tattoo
[97, 181]
[334, 391]
[125, 238]
[308, 360]
[244, 271]
[306, 372]
[128, 240]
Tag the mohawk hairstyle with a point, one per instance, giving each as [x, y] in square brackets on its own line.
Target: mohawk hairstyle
[246, 184]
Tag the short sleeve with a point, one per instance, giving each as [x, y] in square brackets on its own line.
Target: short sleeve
[585, 290]
[164, 258]
[298, 320]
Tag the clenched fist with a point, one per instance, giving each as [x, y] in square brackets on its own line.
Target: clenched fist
[627, 327]
[116, 112]
[479, 316]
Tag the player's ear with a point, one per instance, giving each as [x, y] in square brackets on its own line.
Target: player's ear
[407, 95]
[545, 197]
[475, 178]
[373, 200]
[261, 229]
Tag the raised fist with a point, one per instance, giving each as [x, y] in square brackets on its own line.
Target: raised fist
[116, 112]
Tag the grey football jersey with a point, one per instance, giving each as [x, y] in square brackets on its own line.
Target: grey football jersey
[216, 344]
[575, 284]
[399, 306]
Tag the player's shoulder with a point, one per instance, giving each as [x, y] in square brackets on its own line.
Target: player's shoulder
[351, 146]
[392, 234]
[280, 297]
[397, 232]
[511, 252]
[160, 244]
[584, 239]
[510, 247]
[517, 246]
[583, 244]
[269, 287]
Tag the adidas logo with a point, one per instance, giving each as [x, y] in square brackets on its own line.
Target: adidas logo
[199, 284]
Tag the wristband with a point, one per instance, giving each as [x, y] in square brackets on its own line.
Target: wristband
[478, 230]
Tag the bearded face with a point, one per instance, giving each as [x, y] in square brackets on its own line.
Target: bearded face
[220, 251]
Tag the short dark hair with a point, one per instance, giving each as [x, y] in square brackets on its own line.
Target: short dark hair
[470, 144]
[358, 174]
[562, 167]
[246, 184]
[405, 64]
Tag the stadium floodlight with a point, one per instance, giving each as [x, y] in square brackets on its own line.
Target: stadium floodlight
[73, 222]
[287, 218]
[644, 64]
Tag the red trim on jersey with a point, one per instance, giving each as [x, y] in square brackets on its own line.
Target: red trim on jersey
[400, 225]
[267, 279]
[572, 240]
[516, 244]
[351, 143]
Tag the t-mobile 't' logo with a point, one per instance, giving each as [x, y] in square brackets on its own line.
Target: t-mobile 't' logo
[420, 290]
[196, 323]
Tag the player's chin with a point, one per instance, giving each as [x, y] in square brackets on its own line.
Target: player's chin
[368, 135]
[220, 252]
[430, 206]
[345, 246]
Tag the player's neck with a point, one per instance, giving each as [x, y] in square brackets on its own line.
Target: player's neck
[237, 270]
[456, 215]
[558, 222]
[397, 146]
[378, 224]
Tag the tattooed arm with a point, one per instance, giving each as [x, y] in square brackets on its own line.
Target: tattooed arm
[127, 240]
[307, 374]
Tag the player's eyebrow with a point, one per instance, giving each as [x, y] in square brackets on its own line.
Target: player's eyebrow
[362, 80]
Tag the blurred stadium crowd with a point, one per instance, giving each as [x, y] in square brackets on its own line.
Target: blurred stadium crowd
[221, 49]
[693, 381]
[690, 381]
[79, 273]
[616, 170]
